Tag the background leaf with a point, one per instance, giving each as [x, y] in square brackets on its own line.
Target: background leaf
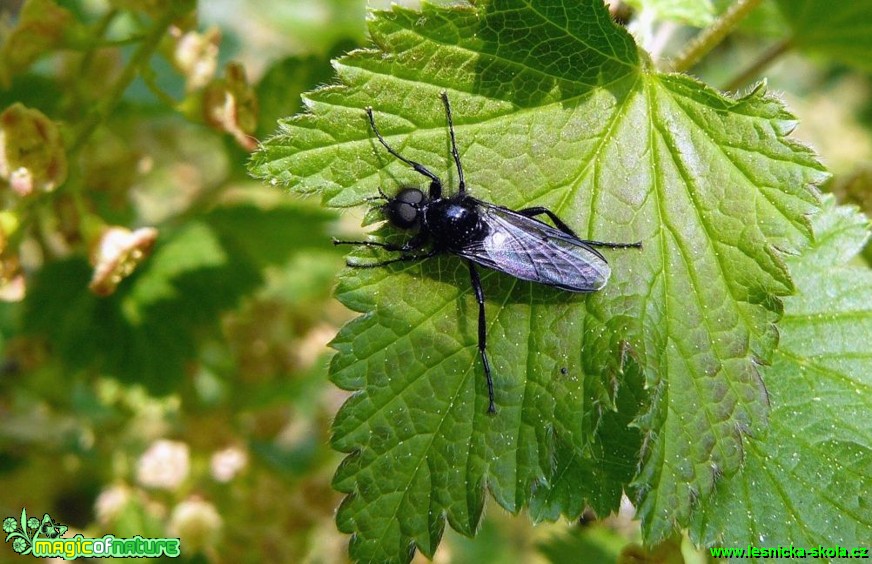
[278, 92]
[552, 107]
[840, 31]
[149, 330]
[692, 12]
[810, 478]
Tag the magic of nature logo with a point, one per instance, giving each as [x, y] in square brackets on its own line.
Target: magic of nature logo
[43, 538]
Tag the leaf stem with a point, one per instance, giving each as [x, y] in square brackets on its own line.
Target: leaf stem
[756, 68]
[713, 35]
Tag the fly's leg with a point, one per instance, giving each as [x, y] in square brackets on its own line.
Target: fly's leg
[386, 246]
[482, 336]
[539, 210]
[636, 245]
[461, 183]
[435, 183]
[412, 244]
[401, 258]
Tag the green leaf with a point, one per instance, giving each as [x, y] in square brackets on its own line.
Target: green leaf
[809, 481]
[597, 542]
[149, 330]
[278, 92]
[553, 107]
[840, 31]
[192, 249]
[270, 236]
[595, 478]
[764, 21]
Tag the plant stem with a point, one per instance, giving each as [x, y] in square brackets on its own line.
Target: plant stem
[756, 68]
[148, 77]
[99, 31]
[714, 34]
[99, 114]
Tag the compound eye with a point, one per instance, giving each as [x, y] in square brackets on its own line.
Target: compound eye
[402, 214]
[406, 213]
[410, 196]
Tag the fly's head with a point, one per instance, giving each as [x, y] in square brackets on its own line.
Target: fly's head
[406, 209]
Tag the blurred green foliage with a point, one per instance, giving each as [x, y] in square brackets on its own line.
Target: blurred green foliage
[164, 318]
[209, 320]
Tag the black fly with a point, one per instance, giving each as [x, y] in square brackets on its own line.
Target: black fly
[511, 241]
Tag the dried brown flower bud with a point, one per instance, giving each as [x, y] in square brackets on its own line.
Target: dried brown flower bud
[118, 253]
[32, 155]
[43, 26]
[196, 56]
[230, 105]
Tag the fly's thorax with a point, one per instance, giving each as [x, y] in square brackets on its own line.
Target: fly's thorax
[454, 223]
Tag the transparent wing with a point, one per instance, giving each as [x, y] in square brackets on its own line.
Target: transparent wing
[529, 249]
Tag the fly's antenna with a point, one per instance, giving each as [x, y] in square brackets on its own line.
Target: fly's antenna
[421, 169]
[460, 181]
